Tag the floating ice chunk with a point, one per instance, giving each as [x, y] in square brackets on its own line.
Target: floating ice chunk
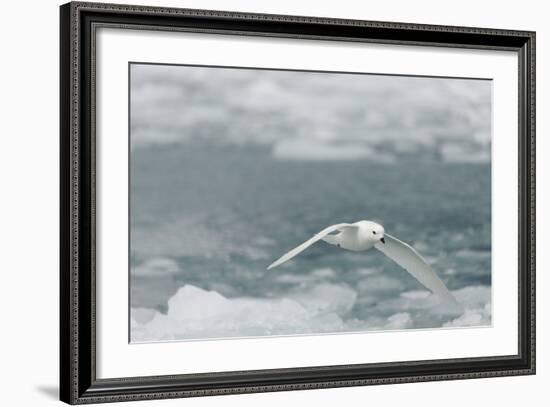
[327, 298]
[192, 303]
[416, 295]
[368, 271]
[143, 315]
[315, 276]
[323, 273]
[293, 278]
[465, 153]
[197, 313]
[474, 297]
[316, 150]
[473, 254]
[478, 308]
[156, 266]
[402, 320]
[379, 284]
[469, 318]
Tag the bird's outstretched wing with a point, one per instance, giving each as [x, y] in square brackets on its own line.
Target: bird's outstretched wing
[287, 256]
[412, 261]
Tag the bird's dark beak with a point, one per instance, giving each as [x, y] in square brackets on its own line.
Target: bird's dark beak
[383, 241]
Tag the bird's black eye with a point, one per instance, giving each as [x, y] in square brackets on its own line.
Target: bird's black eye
[373, 232]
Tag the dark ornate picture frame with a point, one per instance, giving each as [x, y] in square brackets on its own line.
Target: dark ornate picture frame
[78, 381]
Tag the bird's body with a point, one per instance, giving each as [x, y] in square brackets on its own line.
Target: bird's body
[358, 237]
[364, 235]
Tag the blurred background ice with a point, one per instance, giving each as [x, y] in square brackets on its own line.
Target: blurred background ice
[230, 168]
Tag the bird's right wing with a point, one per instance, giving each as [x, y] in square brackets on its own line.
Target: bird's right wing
[289, 255]
[408, 258]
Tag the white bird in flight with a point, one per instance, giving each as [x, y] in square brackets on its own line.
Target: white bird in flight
[365, 235]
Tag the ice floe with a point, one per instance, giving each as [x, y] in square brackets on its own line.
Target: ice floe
[194, 313]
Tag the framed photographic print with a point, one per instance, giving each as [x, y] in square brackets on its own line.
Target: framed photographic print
[255, 203]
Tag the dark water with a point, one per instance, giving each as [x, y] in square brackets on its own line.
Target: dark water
[213, 217]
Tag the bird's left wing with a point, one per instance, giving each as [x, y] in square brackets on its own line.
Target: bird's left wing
[287, 256]
[408, 258]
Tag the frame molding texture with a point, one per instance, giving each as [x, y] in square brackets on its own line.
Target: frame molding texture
[78, 381]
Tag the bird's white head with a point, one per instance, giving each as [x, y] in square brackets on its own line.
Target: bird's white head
[371, 231]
